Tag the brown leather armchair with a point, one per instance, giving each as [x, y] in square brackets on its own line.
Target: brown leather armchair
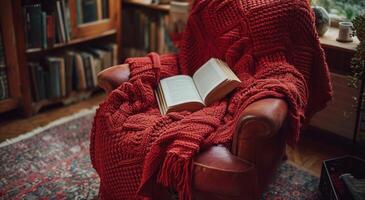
[244, 171]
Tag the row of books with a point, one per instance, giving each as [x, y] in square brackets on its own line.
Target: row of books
[4, 89]
[145, 31]
[75, 70]
[49, 22]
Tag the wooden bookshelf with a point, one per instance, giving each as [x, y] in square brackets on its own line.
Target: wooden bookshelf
[158, 7]
[18, 56]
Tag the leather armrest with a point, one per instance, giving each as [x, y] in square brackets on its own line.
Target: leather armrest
[112, 77]
[262, 118]
[259, 138]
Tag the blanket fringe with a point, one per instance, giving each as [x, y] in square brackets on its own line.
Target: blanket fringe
[176, 172]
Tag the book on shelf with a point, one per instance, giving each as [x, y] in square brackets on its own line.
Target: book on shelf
[147, 31]
[4, 87]
[38, 77]
[66, 18]
[87, 61]
[47, 23]
[73, 70]
[112, 51]
[211, 82]
[54, 79]
[70, 71]
[80, 71]
[33, 28]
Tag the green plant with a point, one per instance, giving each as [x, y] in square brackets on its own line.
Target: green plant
[358, 61]
[345, 8]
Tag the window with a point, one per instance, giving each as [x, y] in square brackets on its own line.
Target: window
[347, 9]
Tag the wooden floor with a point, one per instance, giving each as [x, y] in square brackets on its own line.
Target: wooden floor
[14, 125]
[309, 153]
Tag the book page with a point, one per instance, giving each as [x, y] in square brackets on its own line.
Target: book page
[179, 89]
[208, 77]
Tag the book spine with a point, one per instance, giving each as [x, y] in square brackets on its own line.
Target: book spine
[81, 75]
[115, 53]
[66, 19]
[93, 68]
[48, 85]
[34, 26]
[62, 77]
[68, 72]
[3, 88]
[147, 32]
[61, 25]
[88, 77]
[27, 27]
[57, 80]
[79, 12]
[44, 30]
[33, 72]
[41, 82]
[50, 30]
[99, 8]
[153, 36]
[54, 79]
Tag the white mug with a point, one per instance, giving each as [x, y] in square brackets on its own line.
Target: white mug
[345, 30]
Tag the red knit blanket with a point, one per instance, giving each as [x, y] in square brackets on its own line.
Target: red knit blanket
[273, 48]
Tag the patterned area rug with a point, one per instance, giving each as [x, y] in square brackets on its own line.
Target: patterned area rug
[53, 163]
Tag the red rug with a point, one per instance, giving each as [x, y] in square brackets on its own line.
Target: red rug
[53, 163]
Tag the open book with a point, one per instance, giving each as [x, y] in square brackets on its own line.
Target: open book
[211, 82]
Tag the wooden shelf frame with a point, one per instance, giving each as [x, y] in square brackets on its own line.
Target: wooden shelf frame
[74, 96]
[11, 58]
[72, 42]
[158, 7]
[8, 104]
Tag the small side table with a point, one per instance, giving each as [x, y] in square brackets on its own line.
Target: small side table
[341, 117]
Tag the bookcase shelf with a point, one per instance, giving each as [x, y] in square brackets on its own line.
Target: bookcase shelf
[8, 104]
[159, 7]
[72, 42]
[71, 98]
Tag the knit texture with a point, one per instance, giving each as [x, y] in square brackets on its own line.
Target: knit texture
[273, 48]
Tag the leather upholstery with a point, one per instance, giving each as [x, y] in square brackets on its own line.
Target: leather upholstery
[258, 147]
[112, 77]
[219, 173]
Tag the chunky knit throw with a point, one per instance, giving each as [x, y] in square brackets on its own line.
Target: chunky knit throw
[273, 48]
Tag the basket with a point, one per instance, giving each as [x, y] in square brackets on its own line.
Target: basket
[330, 185]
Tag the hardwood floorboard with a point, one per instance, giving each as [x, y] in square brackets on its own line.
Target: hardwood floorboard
[309, 153]
[17, 125]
